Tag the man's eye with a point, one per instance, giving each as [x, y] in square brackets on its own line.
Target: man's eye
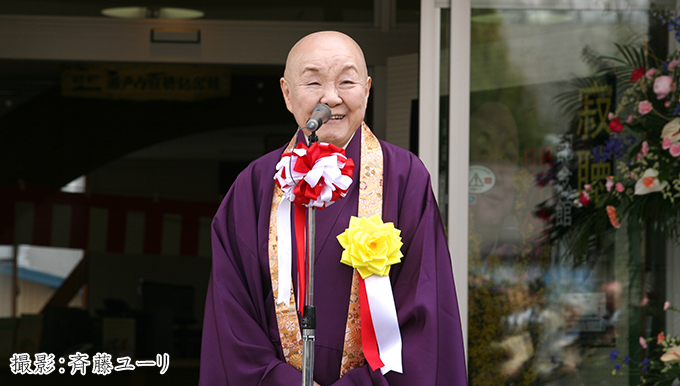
[314, 83]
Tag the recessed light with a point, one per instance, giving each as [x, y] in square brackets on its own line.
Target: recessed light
[152, 13]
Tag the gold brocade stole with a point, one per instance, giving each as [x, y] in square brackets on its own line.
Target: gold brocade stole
[370, 203]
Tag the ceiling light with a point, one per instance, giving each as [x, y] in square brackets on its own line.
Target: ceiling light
[152, 13]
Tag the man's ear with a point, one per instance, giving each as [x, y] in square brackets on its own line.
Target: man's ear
[368, 87]
[285, 89]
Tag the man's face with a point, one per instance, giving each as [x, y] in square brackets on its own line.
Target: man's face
[327, 68]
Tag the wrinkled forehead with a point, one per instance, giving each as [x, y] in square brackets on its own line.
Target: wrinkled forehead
[322, 51]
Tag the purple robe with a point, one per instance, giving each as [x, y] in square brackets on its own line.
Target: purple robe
[241, 345]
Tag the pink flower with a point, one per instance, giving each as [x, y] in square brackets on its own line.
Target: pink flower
[610, 116]
[663, 85]
[645, 147]
[675, 150]
[643, 343]
[587, 187]
[639, 156]
[630, 119]
[673, 63]
[619, 187]
[644, 302]
[667, 104]
[609, 184]
[644, 107]
[650, 73]
[666, 305]
[666, 144]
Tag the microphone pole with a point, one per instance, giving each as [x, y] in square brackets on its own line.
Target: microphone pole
[320, 114]
[309, 316]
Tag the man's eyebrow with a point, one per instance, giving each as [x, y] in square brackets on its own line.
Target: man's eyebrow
[316, 69]
[312, 69]
[350, 66]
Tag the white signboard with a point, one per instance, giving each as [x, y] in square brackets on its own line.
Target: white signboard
[481, 179]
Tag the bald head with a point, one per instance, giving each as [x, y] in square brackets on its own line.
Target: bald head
[327, 67]
[329, 40]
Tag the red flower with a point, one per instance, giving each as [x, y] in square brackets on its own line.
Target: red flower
[637, 74]
[615, 125]
[584, 199]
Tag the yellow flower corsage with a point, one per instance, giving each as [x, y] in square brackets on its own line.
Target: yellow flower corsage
[371, 246]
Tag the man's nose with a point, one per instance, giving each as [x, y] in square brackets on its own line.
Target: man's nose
[330, 96]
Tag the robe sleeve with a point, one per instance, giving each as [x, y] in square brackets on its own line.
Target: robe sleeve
[237, 347]
[423, 287]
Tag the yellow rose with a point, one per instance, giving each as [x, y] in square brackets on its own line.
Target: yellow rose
[371, 246]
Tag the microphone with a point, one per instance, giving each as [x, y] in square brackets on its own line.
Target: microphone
[320, 115]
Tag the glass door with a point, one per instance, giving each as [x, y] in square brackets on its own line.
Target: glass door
[544, 122]
[556, 296]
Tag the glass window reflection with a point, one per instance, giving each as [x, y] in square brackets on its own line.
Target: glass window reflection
[542, 312]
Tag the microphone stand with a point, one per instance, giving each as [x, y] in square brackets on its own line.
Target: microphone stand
[308, 321]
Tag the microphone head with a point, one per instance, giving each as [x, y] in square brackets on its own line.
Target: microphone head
[320, 114]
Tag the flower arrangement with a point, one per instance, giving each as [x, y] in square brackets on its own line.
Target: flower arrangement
[643, 147]
[661, 365]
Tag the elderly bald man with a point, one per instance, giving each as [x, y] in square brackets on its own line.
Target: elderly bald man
[251, 333]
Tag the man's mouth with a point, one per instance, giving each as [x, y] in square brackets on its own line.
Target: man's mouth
[337, 117]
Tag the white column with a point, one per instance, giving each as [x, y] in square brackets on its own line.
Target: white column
[459, 151]
[459, 121]
[428, 93]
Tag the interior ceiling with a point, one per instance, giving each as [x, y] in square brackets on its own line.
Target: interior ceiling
[48, 140]
[269, 10]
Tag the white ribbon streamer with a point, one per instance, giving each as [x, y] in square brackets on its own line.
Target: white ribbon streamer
[385, 322]
[284, 251]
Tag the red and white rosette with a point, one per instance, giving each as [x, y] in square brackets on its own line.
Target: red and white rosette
[314, 176]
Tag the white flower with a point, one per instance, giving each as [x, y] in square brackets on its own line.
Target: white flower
[671, 130]
[648, 183]
[671, 355]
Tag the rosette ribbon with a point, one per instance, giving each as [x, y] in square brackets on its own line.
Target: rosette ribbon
[315, 177]
[372, 247]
